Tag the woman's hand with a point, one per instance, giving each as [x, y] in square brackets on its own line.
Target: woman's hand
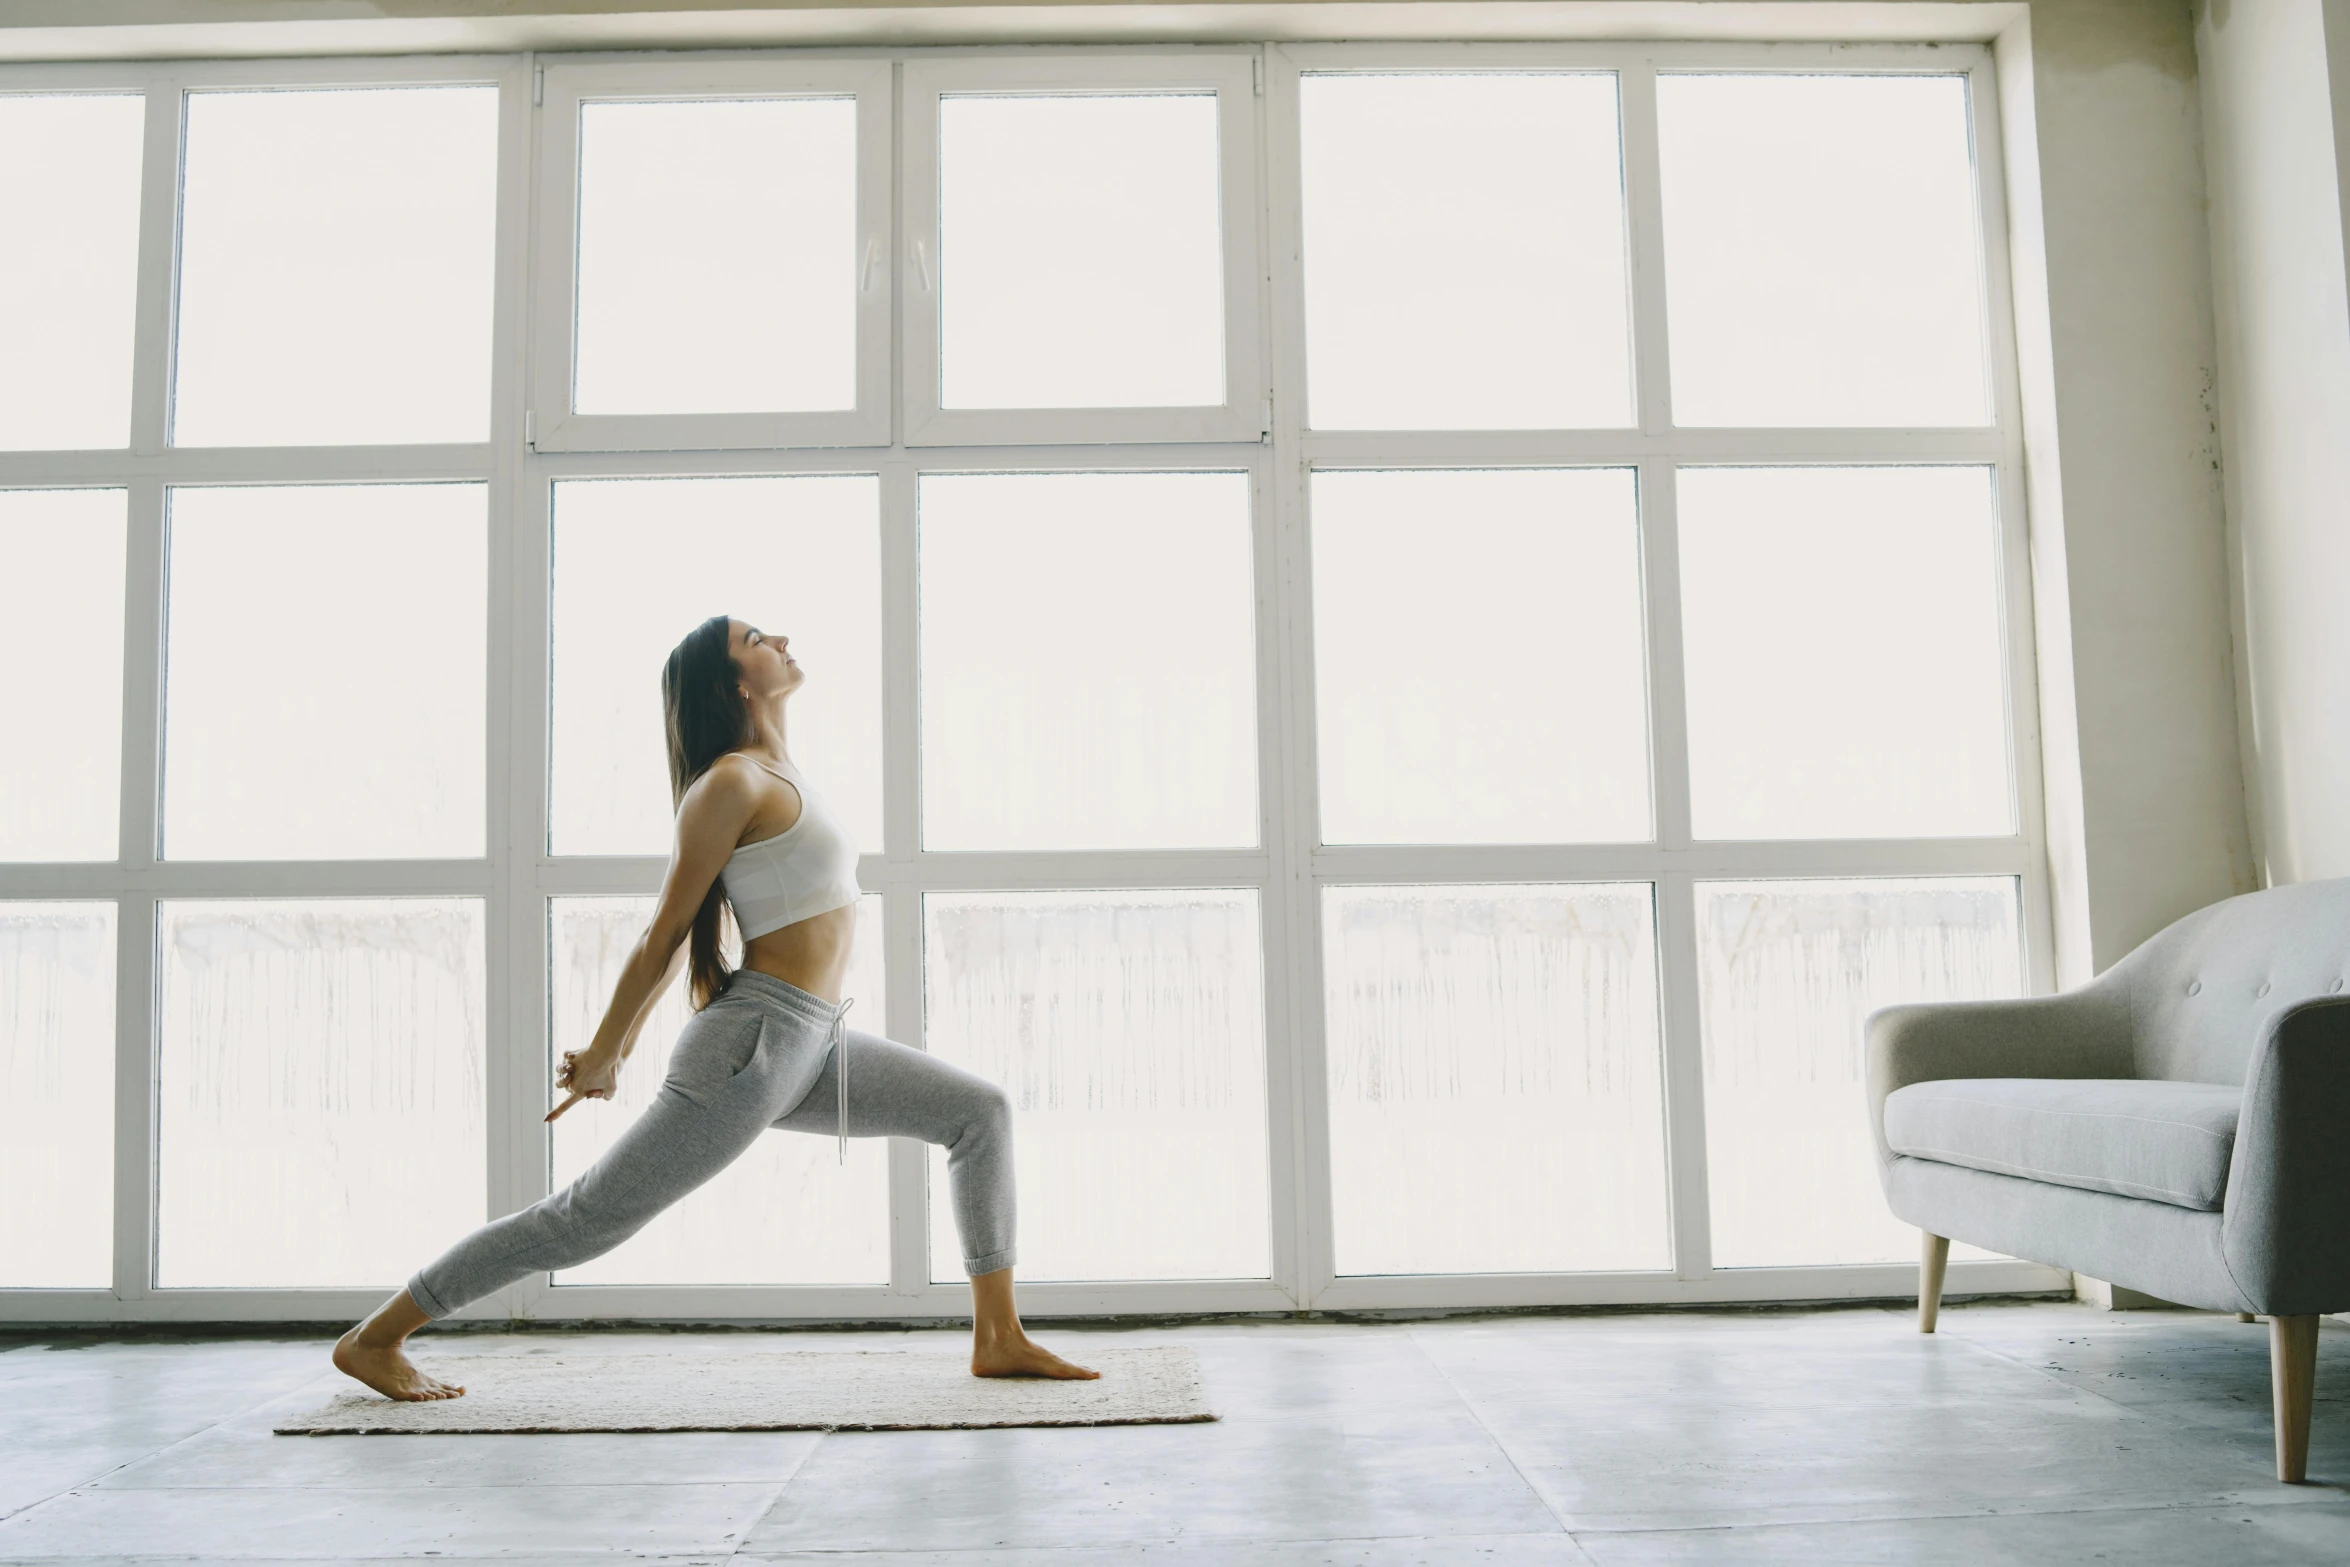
[585, 1074]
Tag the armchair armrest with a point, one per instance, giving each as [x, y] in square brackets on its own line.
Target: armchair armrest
[2081, 1033]
[2285, 1228]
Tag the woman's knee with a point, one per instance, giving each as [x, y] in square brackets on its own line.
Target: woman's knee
[988, 1115]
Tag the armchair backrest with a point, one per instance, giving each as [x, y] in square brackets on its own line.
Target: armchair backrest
[2202, 990]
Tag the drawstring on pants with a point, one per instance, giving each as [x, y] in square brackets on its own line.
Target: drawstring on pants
[840, 1066]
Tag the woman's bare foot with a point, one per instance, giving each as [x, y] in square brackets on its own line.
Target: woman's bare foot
[371, 1352]
[1024, 1357]
[1000, 1347]
[387, 1369]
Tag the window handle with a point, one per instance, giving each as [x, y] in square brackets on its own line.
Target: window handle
[922, 265]
[872, 261]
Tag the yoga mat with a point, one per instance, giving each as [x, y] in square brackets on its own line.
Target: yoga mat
[795, 1390]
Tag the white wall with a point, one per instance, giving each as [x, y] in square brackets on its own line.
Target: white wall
[2145, 800]
[2284, 334]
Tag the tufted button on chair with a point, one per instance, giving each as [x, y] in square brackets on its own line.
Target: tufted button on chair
[2179, 1126]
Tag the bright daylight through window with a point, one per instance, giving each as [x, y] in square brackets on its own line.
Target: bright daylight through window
[1408, 638]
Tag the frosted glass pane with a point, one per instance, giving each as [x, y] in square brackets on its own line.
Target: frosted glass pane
[1088, 661]
[717, 256]
[788, 1211]
[1823, 255]
[1786, 972]
[327, 666]
[57, 1082]
[69, 270]
[336, 257]
[1464, 253]
[1478, 662]
[320, 1089]
[1129, 1029]
[1081, 253]
[1841, 634]
[61, 594]
[641, 562]
[1496, 1080]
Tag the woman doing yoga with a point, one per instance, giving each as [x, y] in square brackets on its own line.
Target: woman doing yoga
[766, 1046]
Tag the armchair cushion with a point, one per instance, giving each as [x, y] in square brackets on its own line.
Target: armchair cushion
[2160, 1141]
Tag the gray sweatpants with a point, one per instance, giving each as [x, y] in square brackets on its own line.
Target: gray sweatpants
[759, 1056]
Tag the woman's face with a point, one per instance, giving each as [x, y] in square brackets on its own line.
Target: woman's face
[762, 663]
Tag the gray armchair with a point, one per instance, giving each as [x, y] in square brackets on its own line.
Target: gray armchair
[2180, 1126]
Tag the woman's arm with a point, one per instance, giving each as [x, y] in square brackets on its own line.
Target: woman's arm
[660, 989]
[710, 821]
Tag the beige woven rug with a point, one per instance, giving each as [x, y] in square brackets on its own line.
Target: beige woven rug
[794, 1390]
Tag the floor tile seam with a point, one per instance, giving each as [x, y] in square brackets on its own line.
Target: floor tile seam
[346, 1487]
[741, 1535]
[179, 1441]
[1194, 1539]
[1478, 1404]
[2208, 1502]
[93, 1482]
[557, 1559]
[1714, 1398]
[2046, 1374]
[1153, 1542]
[1469, 1404]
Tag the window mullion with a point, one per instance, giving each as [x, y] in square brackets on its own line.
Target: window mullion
[135, 1191]
[1681, 1019]
[901, 774]
[1645, 215]
[1285, 932]
[1668, 718]
[1301, 1192]
[159, 186]
[514, 801]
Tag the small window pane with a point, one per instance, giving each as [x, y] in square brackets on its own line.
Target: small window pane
[61, 595]
[1464, 253]
[336, 267]
[1496, 1079]
[717, 256]
[786, 1212]
[641, 562]
[1842, 633]
[1786, 972]
[69, 269]
[57, 1082]
[1081, 252]
[1088, 662]
[320, 1090]
[1823, 258]
[1478, 657]
[1128, 1028]
[326, 674]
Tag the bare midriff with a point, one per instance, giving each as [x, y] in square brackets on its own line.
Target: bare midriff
[812, 953]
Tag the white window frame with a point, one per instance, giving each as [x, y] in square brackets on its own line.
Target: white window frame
[137, 879]
[1231, 75]
[1289, 868]
[564, 89]
[1675, 861]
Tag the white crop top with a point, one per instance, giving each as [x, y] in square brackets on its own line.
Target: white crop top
[809, 868]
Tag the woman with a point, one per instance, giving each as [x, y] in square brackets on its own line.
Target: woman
[765, 1047]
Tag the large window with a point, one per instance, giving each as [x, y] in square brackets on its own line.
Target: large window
[1411, 637]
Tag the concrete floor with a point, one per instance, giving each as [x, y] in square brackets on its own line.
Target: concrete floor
[2037, 1433]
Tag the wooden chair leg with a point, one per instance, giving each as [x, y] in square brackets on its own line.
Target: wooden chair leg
[1933, 1258]
[2292, 1374]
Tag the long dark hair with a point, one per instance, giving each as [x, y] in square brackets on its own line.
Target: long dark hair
[706, 717]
